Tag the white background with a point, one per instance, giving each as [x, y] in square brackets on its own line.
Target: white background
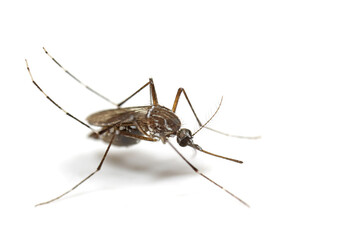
[288, 71]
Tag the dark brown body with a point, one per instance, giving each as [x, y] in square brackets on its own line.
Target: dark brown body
[153, 123]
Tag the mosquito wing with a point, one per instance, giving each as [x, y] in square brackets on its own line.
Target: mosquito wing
[114, 116]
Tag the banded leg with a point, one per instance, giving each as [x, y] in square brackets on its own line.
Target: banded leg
[206, 177]
[97, 169]
[83, 123]
[76, 79]
[178, 94]
[130, 135]
[153, 96]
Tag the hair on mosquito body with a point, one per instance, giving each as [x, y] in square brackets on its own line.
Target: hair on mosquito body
[127, 126]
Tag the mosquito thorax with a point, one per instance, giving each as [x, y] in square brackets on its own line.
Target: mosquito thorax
[184, 137]
[160, 122]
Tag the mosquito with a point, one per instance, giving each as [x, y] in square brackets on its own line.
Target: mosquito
[126, 126]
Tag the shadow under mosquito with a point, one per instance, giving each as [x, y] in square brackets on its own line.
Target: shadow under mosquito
[147, 164]
[125, 167]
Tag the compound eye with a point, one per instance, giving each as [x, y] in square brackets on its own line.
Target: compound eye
[184, 137]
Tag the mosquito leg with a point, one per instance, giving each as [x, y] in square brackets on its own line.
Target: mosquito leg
[76, 79]
[178, 94]
[153, 95]
[204, 176]
[130, 135]
[83, 123]
[141, 129]
[181, 90]
[97, 169]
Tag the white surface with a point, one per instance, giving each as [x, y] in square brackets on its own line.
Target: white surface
[288, 71]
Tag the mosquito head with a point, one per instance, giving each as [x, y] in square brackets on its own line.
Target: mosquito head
[184, 137]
